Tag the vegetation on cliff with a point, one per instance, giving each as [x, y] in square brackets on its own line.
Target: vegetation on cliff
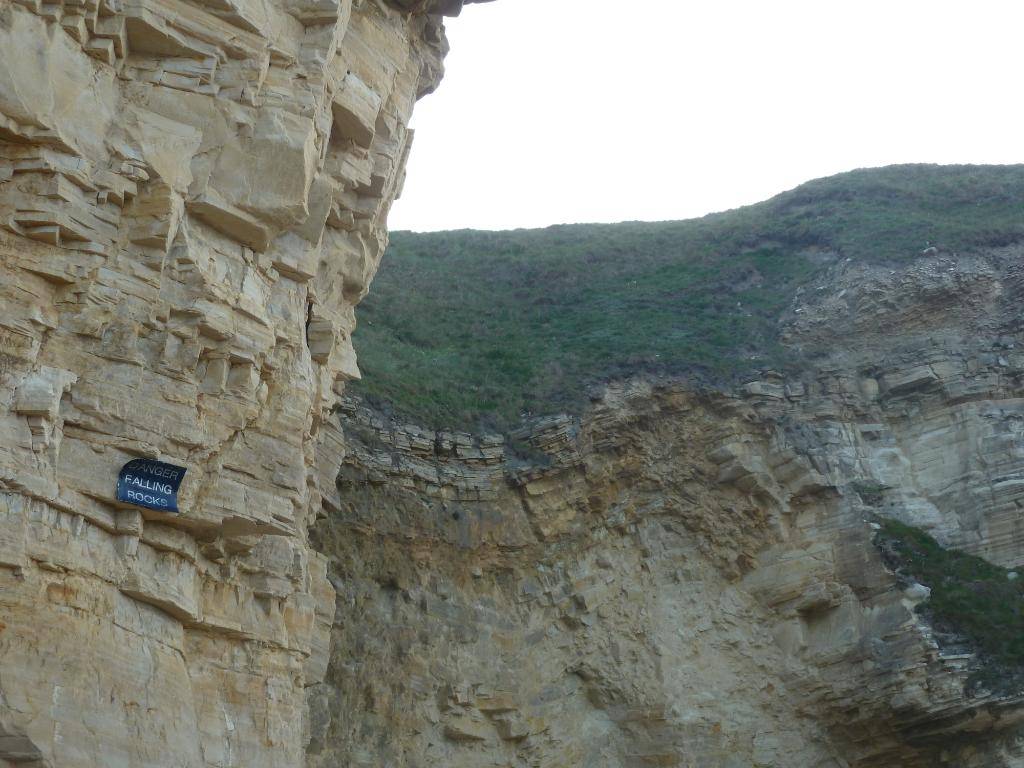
[970, 597]
[474, 329]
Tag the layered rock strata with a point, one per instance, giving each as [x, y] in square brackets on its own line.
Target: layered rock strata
[192, 201]
[688, 578]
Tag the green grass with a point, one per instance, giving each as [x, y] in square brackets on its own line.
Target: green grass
[473, 329]
[970, 596]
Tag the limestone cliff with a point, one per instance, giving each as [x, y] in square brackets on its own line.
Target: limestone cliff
[192, 201]
[688, 577]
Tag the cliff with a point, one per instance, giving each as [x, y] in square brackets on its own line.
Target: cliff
[192, 202]
[691, 575]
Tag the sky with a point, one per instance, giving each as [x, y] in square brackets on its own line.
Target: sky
[562, 111]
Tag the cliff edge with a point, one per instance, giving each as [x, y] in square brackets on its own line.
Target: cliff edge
[193, 199]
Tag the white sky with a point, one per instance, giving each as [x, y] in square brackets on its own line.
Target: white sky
[556, 111]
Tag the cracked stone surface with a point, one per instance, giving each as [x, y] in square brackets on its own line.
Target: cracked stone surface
[193, 199]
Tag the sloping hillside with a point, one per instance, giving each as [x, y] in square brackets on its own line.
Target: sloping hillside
[475, 329]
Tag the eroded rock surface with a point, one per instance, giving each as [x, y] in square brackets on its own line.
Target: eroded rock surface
[192, 201]
[688, 578]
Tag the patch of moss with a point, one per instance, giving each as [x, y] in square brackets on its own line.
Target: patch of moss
[970, 597]
[871, 492]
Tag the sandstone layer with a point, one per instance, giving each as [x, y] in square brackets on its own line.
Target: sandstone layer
[192, 201]
[193, 198]
[688, 577]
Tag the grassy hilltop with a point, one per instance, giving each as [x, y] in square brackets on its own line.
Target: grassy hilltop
[472, 329]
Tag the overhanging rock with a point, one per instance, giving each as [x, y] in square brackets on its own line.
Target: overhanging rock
[193, 198]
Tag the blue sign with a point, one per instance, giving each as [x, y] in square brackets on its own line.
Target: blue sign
[150, 484]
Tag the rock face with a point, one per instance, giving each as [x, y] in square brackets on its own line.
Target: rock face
[687, 578]
[192, 201]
